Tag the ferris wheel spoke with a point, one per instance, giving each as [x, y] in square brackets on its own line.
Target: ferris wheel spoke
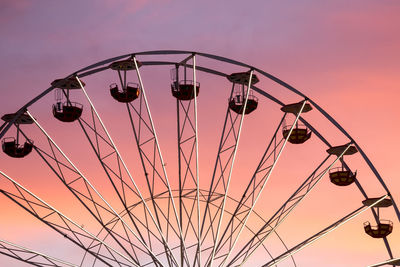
[246, 226]
[188, 169]
[113, 224]
[256, 185]
[212, 218]
[174, 222]
[31, 256]
[322, 233]
[189, 215]
[117, 172]
[283, 212]
[270, 226]
[152, 160]
[207, 212]
[248, 197]
[174, 248]
[203, 194]
[84, 193]
[149, 162]
[62, 224]
[167, 218]
[220, 173]
[86, 189]
[149, 232]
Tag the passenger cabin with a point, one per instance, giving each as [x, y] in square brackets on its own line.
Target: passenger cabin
[67, 111]
[184, 89]
[129, 91]
[300, 133]
[238, 99]
[383, 227]
[237, 102]
[11, 145]
[14, 149]
[126, 95]
[381, 230]
[342, 177]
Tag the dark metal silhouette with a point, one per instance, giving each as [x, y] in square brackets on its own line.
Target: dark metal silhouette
[383, 228]
[239, 99]
[129, 91]
[11, 145]
[242, 101]
[66, 111]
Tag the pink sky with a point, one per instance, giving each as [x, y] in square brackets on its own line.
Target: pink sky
[343, 55]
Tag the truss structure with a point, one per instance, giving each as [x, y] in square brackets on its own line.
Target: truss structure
[174, 220]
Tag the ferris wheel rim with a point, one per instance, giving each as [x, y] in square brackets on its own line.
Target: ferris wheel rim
[160, 196]
[4, 128]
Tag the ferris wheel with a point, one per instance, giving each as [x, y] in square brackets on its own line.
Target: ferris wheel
[181, 158]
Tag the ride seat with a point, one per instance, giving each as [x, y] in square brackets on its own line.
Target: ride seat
[383, 229]
[341, 177]
[67, 112]
[125, 96]
[298, 135]
[184, 90]
[236, 104]
[15, 150]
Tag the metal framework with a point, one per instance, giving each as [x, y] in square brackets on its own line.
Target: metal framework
[63, 225]
[188, 156]
[320, 234]
[121, 178]
[30, 256]
[162, 225]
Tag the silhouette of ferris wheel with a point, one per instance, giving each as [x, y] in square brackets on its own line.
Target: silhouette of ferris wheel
[148, 217]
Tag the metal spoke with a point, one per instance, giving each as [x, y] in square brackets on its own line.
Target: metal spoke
[163, 225]
[207, 212]
[157, 152]
[197, 159]
[150, 160]
[204, 197]
[31, 256]
[264, 169]
[321, 234]
[61, 223]
[232, 162]
[394, 262]
[249, 195]
[87, 194]
[120, 177]
[251, 246]
[188, 169]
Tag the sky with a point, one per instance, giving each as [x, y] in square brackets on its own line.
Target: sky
[344, 55]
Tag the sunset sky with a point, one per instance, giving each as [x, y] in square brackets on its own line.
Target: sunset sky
[344, 55]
